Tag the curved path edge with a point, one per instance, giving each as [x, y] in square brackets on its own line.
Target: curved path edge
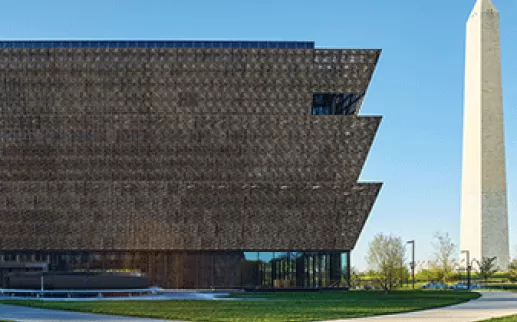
[489, 305]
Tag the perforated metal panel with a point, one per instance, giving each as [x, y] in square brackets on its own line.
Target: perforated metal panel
[181, 149]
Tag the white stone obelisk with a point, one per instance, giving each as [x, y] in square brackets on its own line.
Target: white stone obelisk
[484, 210]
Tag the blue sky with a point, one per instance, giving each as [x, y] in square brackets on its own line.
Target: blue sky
[417, 87]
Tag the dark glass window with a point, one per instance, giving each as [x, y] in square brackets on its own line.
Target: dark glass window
[318, 110]
[335, 103]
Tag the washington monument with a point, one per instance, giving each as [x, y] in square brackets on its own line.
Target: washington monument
[484, 210]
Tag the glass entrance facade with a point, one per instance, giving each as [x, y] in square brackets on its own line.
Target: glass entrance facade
[295, 269]
[201, 270]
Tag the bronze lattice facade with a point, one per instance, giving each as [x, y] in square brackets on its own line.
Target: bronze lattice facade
[168, 148]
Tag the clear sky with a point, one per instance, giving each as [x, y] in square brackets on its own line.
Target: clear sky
[417, 87]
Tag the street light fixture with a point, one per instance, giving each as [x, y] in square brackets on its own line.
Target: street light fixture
[469, 267]
[412, 264]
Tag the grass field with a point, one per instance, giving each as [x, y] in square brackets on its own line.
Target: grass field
[271, 307]
[511, 318]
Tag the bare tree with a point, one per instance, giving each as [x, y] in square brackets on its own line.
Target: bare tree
[444, 261]
[487, 268]
[386, 257]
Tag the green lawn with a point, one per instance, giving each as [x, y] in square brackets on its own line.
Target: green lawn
[510, 318]
[278, 306]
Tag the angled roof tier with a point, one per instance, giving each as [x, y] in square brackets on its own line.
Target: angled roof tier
[262, 81]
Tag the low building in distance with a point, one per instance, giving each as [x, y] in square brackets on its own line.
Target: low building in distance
[199, 164]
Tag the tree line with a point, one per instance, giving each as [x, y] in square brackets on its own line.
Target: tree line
[388, 267]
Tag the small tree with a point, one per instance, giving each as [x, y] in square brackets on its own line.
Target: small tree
[386, 259]
[404, 275]
[487, 268]
[444, 261]
[512, 271]
[427, 275]
[355, 277]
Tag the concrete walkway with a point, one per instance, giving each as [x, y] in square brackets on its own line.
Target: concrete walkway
[26, 314]
[489, 305]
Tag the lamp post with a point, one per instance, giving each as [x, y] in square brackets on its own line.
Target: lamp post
[469, 267]
[412, 264]
[472, 261]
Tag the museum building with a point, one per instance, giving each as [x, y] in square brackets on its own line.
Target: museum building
[199, 164]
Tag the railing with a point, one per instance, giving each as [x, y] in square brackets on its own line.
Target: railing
[76, 293]
[335, 284]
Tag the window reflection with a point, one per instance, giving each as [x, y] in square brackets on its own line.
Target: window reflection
[344, 271]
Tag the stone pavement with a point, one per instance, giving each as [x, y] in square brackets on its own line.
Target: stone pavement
[489, 305]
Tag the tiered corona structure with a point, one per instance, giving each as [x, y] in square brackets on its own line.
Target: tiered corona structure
[199, 163]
